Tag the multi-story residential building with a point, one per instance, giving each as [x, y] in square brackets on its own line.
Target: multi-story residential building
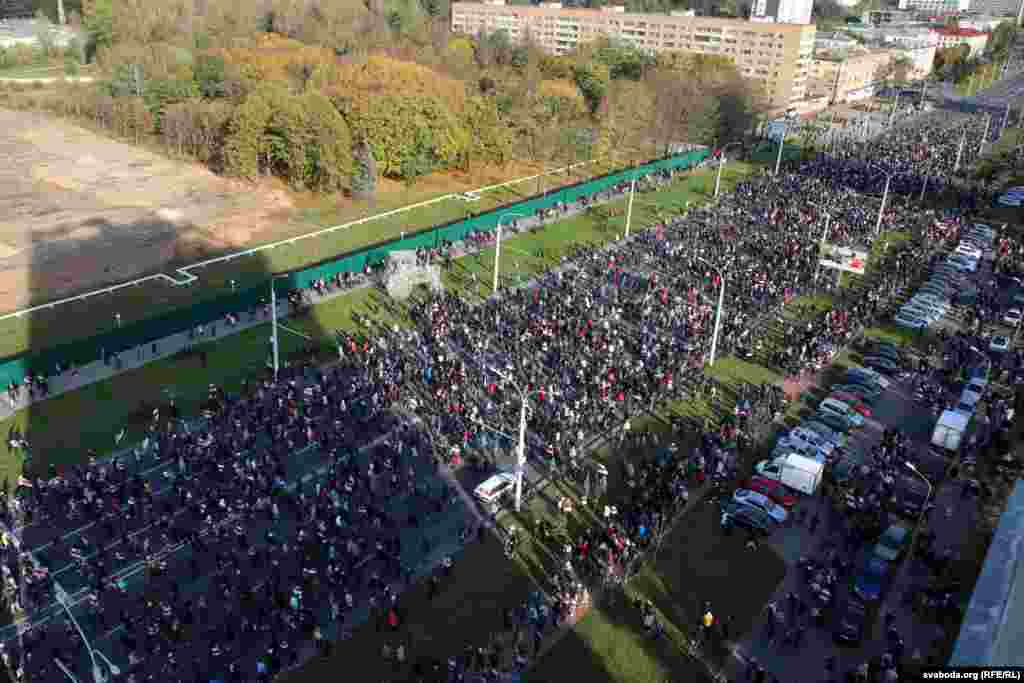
[936, 6]
[980, 22]
[997, 8]
[848, 76]
[774, 57]
[782, 11]
[951, 37]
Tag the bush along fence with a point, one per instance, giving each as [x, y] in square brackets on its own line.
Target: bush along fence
[15, 368]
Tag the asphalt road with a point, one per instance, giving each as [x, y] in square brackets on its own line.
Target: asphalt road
[952, 520]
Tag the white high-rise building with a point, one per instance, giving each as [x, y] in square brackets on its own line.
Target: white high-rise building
[782, 11]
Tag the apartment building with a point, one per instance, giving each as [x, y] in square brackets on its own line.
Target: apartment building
[774, 57]
[847, 77]
[915, 43]
[952, 37]
[997, 8]
[782, 11]
[936, 6]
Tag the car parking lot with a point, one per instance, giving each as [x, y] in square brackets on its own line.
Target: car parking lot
[827, 543]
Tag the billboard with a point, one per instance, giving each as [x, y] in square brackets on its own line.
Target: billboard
[843, 258]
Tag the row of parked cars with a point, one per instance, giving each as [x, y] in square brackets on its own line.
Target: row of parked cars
[800, 456]
[949, 282]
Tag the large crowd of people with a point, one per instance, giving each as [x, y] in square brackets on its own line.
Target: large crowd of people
[295, 507]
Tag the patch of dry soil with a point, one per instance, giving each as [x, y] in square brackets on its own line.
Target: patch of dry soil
[78, 210]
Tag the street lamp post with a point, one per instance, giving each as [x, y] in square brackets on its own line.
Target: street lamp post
[782, 143]
[881, 208]
[960, 150]
[924, 187]
[521, 457]
[97, 673]
[273, 328]
[895, 106]
[824, 239]
[984, 136]
[718, 312]
[924, 509]
[721, 165]
[497, 247]
[1006, 120]
[629, 204]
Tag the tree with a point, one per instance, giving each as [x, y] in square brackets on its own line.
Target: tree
[364, 171]
[328, 164]
[44, 33]
[98, 20]
[592, 80]
[209, 73]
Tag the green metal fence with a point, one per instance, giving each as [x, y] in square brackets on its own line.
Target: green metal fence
[147, 332]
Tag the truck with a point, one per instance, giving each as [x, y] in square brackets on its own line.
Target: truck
[793, 470]
[949, 432]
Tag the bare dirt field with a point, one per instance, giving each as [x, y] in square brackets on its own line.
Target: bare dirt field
[78, 210]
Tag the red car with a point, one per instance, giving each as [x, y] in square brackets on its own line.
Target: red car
[774, 490]
[852, 401]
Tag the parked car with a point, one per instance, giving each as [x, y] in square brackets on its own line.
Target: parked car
[760, 502]
[892, 543]
[999, 344]
[864, 393]
[851, 621]
[872, 580]
[833, 436]
[911, 321]
[852, 401]
[775, 490]
[884, 365]
[839, 424]
[755, 520]
[1012, 317]
[878, 378]
[830, 405]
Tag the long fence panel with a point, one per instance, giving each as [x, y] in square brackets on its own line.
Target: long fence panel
[146, 332]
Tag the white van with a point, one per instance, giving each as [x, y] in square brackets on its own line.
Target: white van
[493, 491]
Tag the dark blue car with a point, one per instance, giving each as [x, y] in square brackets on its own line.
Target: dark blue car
[872, 580]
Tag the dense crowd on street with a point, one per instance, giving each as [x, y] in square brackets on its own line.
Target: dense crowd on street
[296, 504]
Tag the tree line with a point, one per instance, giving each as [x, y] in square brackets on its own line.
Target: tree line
[330, 97]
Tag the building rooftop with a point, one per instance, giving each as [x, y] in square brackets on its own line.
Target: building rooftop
[960, 32]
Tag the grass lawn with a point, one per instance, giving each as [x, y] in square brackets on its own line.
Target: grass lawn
[468, 610]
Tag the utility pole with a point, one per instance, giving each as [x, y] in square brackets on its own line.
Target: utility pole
[60, 12]
[632, 193]
[881, 208]
[273, 328]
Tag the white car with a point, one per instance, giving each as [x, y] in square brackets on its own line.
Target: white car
[968, 251]
[999, 344]
[920, 312]
[1012, 317]
[931, 298]
[938, 308]
[761, 502]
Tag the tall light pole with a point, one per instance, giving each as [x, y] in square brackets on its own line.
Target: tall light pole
[273, 328]
[824, 239]
[524, 397]
[895, 106]
[920, 518]
[721, 165]
[629, 204]
[97, 673]
[782, 143]
[881, 207]
[960, 150]
[924, 188]
[1006, 120]
[497, 247]
[984, 136]
[718, 312]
